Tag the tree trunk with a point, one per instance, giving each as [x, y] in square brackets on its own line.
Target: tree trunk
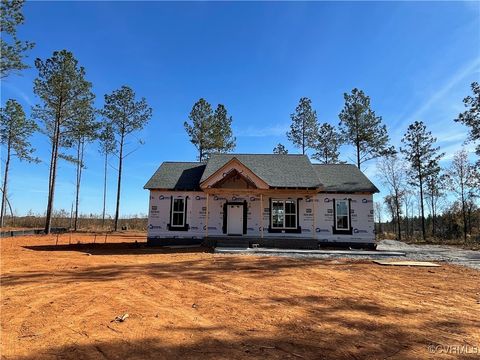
[77, 186]
[406, 222]
[80, 151]
[120, 160]
[53, 174]
[104, 190]
[464, 213]
[433, 213]
[397, 205]
[424, 235]
[5, 177]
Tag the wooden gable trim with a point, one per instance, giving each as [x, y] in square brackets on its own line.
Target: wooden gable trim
[246, 172]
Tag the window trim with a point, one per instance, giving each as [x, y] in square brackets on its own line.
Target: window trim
[349, 230]
[173, 212]
[284, 201]
[185, 226]
[347, 202]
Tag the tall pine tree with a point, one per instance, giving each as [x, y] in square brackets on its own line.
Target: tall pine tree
[362, 128]
[223, 140]
[327, 145]
[200, 129]
[127, 115]
[303, 130]
[423, 156]
[66, 98]
[84, 131]
[108, 146]
[15, 129]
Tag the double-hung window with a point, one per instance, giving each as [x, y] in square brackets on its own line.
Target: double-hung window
[178, 213]
[342, 218]
[284, 214]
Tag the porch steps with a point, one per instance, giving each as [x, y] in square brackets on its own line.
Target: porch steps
[233, 243]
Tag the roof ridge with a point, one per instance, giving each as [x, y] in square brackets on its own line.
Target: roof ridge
[182, 162]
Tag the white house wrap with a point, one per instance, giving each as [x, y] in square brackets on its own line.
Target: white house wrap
[260, 197]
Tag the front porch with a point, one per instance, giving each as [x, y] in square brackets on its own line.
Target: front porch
[290, 242]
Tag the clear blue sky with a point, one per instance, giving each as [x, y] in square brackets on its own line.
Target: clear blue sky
[414, 59]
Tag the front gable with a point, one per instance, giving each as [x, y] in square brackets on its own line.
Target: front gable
[234, 175]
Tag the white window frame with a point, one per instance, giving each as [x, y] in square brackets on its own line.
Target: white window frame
[177, 212]
[284, 201]
[347, 202]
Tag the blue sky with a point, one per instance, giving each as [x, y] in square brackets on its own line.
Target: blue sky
[414, 59]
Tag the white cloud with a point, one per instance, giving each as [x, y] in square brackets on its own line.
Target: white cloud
[253, 131]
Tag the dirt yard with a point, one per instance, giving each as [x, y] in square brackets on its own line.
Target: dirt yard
[58, 302]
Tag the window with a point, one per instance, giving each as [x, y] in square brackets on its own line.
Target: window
[178, 213]
[342, 217]
[284, 214]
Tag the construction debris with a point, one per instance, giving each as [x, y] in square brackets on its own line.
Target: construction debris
[120, 318]
[405, 263]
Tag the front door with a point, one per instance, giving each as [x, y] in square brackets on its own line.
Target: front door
[235, 219]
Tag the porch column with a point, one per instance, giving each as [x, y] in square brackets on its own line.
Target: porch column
[206, 217]
[314, 220]
[261, 216]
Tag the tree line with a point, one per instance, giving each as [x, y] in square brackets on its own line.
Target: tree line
[65, 114]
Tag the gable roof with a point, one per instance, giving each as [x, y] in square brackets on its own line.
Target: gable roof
[294, 171]
[276, 170]
[343, 178]
[177, 176]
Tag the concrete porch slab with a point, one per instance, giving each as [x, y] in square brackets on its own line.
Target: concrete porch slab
[232, 250]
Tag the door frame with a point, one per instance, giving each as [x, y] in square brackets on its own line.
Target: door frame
[225, 217]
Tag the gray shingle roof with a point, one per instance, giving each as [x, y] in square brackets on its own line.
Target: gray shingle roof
[276, 170]
[177, 176]
[343, 178]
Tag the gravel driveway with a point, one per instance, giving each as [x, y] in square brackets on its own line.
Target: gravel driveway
[450, 254]
[439, 253]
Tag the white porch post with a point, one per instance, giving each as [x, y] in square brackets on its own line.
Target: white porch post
[206, 217]
[261, 216]
[314, 220]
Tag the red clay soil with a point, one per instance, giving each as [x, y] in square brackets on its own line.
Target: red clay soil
[58, 302]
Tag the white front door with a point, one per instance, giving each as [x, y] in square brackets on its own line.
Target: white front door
[235, 219]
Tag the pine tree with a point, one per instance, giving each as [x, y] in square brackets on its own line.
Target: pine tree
[362, 128]
[200, 129]
[12, 49]
[303, 130]
[126, 115]
[471, 117]
[84, 131]
[66, 98]
[280, 149]
[327, 145]
[223, 140]
[108, 146]
[423, 157]
[15, 129]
